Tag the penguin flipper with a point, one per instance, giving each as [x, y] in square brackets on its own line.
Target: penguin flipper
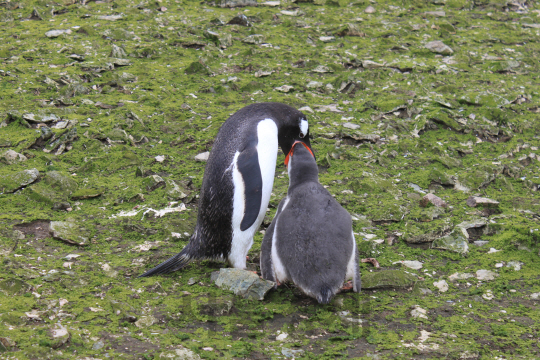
[174, 263]
[248, 165]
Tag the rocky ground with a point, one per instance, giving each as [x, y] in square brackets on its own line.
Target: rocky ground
[424, 121]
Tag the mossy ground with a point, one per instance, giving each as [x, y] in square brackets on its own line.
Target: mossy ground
[425, 119]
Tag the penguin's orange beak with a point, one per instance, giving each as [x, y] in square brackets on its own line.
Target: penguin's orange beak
[288, 157]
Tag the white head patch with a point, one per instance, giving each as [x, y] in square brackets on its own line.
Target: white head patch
[304, 127]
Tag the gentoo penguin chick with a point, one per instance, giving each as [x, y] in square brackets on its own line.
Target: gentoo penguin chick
[310, 241]
[237, 183]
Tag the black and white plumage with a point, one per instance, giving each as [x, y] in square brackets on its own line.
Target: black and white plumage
[310, 241]
[237, 183]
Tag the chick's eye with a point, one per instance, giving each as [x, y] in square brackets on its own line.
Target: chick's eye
[302, 134]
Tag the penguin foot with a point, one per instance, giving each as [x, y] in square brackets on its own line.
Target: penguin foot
[347, 286]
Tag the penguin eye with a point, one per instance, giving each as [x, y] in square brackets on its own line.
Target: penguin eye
[302, 134]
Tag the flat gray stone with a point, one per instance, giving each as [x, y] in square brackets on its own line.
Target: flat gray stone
[57, 33]
[243, 283]
[69, 232]
[439, 47]
[12, 157]
[486, 275]
[11, 182]
[179, 354]
[452, 242]
[476, 200]
[202, 156]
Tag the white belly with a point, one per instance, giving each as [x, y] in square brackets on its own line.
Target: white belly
[267, 148]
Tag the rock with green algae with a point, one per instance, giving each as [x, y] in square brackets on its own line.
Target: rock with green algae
[12, 157]
[87, 193]
[6, 344]
[243, 283]
[387, 279]
[58, 336]
[452, 242]
[69, 232]
[174, 191]
[12, 287]
[55, 187]
[12, 182]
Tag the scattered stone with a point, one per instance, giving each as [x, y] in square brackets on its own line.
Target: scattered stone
[262, 73]
[153, 182]
[239, 19]
[515, 264]
[434, 199]
[179, 354]
[492, 251]
[369, 10]
[414, 264]
[535, 296]
[290, 353]
[307, 109]
[368, 64]
[14, 287]
[110, 17]
[6, 344]
[174, 191]
[314, 85]
[284, 88]
[69, 232]
[488, 295]
[387, 279]
[436, 13]
[59, 336]
[439, 47]
[217, 307]
[11, 157]
[322, 69]
[202, 156]
[460, 276]
[243, 283]
[12, 182]
[327, 38]
[480, 242]
[282, 336]
[475, 201]
[466, 225]
[351, 126]
[486, 275]
[117, 52]
[98, 345]
[418, 312]
[442, 285]
[255, 39]
[56, 33]
[452, 242]
[83, 194]
[426, 291]
[145, 321]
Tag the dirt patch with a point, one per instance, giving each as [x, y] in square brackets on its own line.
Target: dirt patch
[38, 228]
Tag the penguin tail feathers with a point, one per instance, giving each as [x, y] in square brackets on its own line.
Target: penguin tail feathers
[325, 294]
[174, 263]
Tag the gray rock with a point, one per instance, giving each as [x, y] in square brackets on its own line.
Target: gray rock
[387, 279]
[243, 283]
[321, 69]
[153, 182]
[110, 17]
[14, 287]
[12, 157]
[58, 336]
[255, 39]
[117, 52]
[202, 156]
[239, 19]
[439, 47]
[145, 321]
[452, 242]
[216, 307]
[6, 344]
[369, 10]
[486, 275]
[418, 312]
[57, 33]
[179, 354]
[480, 242]
[411, 264]
[12, 182]
[475, 201]
[69, 232]
[369, 64]
[460, 276]
[442, 285]
[436, 13]
[434, 199]
[98, 345]
[291, 353]
[174, 191]
[475, 223]
[314, 85]
[351, 126]
[284, 88]
[515, 264]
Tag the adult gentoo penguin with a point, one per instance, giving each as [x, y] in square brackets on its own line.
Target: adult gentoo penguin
[310, 241]
[237, 183]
